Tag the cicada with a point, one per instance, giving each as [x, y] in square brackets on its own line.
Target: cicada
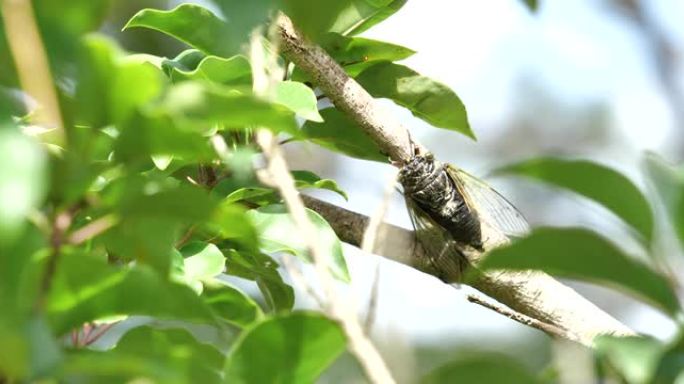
[454, 212]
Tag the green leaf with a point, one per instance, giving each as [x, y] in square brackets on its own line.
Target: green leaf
[240, 162]
[358, 53]
[278, 296]
[202, 260]
[484, 369]
[28, 349]
[278, 233]
[134, 85]
[314, 18]
[581, 254]
[76, 16]
[158, 135]
[594, 181]
[178, 273]
[243, 17]
[363, 14]
[202, 105]
[231, 305]
[23, 180]
[532, 5]
[668, 181]
[87, 289]
[75, 171]
[670, 365]
[186, 61]
[255, 195]
[151, 212]
[300, 347]
[427, 99]
[191, 24]
[307, 179]
[112, 86]
[95, 80]
[162, 161]
[148, 240]
[299, 98]
[108, 367]
[45, 352]
[11, 105]
[233, 71]
[230, 221]
[355, 54]
[634, 357]
[144, 353]
[20, 329]
[339, 134]
[202, 362]
[140, 197]
[264, 271]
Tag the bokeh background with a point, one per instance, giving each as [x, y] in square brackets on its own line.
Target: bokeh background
[592, 79]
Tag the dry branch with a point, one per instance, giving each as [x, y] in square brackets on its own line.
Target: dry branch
[533, 294]
[549, 329]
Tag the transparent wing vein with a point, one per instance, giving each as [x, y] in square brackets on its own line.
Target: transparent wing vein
[490, 206]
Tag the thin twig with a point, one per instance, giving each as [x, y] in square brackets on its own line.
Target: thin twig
[373, 365]
[373, 235]
[549, 329]
[32, 64]
[92, 229]
[372, 309]
[346, 94]
[60, 224]
[186, 236]
[286, 141]
[298, 278]
[74, 338]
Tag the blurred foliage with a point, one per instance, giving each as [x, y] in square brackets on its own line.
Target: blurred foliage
[609, 188]
[139, 214]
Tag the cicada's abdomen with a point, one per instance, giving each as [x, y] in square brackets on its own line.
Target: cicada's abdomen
[427, 182]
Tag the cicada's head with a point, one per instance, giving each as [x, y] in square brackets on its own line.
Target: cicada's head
[419, 172]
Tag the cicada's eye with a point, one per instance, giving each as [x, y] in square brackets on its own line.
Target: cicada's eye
[429, 156]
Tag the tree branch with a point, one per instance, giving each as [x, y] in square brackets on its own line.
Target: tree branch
[345, 93]
[60, 225]
[533, 294]
[549, 329]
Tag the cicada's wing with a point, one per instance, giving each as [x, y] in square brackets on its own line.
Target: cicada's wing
[490, 206]
[440, 246]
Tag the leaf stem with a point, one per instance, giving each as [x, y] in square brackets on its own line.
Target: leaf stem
[60, 224]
